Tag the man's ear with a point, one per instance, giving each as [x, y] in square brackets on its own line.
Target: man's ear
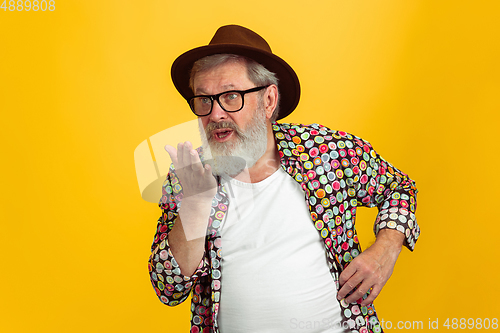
[270, 100]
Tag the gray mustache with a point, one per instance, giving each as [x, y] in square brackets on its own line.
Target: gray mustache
[222, 124]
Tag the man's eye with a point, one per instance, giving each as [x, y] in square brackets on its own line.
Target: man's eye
[205, 100]
[231, 96]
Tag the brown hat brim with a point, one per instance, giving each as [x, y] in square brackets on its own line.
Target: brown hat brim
[289, 86]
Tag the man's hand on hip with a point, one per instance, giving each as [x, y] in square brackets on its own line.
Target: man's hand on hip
[371, 269]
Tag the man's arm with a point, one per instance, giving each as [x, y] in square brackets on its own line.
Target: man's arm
[192, 203]
[383, 186]
[187, 237]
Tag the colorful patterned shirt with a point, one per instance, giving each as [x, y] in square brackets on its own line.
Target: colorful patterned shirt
[338, 173]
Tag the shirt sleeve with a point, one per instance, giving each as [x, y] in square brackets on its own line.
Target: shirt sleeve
[382, 185]
[170, 285]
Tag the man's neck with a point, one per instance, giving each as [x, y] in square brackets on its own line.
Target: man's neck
[266, 165]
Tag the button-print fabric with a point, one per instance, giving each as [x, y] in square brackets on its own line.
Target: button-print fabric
[338, 173]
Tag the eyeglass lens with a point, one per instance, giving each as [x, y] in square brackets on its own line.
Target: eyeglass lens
[231, 101]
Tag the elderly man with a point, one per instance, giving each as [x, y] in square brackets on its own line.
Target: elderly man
[258, 223]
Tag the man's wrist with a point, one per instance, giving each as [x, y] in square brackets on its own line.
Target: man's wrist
[194, 214]
[390, 239]
[195, 201]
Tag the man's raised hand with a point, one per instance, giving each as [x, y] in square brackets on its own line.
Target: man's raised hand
[195, 178]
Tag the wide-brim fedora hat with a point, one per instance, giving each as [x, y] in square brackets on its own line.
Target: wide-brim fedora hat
[235, 39]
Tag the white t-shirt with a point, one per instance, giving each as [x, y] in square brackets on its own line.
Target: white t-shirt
[275, 276]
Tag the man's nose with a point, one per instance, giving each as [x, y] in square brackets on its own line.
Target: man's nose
[217, 112]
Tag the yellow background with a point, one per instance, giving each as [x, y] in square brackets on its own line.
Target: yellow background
[82, 86]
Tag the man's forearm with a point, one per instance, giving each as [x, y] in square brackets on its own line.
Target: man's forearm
[187, 237]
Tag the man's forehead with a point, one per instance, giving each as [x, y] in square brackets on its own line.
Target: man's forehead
[226, 76]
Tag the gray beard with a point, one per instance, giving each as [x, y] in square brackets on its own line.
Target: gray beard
[231, 158]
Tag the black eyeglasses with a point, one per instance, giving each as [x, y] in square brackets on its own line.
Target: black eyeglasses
[229, 101]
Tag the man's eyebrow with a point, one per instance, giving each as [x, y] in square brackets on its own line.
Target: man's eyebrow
[226, 87]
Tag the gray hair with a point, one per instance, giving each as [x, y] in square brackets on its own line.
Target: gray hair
[258, 74]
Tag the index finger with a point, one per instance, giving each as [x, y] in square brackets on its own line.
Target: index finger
[347, 281]
[172, 152]
[350, 286]
[347, 273]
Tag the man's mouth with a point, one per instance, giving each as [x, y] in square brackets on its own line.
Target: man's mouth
[222, 134]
